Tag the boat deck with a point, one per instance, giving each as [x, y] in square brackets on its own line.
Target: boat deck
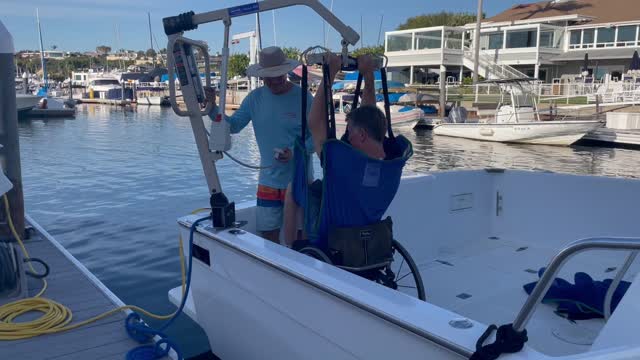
[71, 284]
[485, 284]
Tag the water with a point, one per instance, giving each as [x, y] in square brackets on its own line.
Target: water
[110, 184]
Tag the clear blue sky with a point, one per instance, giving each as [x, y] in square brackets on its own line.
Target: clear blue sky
[81, 25]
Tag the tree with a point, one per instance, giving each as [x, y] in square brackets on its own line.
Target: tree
[438, 19]
[291, 53]
[238, 64]
[163, 51]
[140, 54]
[53, 47]
[371, 50]
[103, 50]
[151, 53]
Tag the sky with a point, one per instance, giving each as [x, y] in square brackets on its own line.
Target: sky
[81, 25]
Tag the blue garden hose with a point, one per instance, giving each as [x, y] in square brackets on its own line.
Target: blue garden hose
[143, 333]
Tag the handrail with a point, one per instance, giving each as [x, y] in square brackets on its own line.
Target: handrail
[614, 284]
[543, 285]
[507, 70]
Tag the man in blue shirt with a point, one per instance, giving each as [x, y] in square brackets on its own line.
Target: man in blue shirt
[275, 111]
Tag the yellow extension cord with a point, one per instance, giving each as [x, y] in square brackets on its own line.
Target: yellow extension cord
[55, 316]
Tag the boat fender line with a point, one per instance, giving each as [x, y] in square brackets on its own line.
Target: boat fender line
[139, 331]
[508, 341]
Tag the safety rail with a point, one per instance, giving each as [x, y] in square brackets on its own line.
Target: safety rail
[503, 71]
[543, 285]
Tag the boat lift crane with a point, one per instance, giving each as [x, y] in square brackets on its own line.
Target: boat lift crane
[181, 63]
[253, 52]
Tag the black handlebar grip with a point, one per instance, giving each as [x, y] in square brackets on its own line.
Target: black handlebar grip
[175, 24]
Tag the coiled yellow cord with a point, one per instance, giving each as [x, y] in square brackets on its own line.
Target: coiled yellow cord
[55, 316]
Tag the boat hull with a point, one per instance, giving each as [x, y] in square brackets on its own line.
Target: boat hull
[153, 100]
[26, 102]
[399, 120]
[252, 308]
[561, 133]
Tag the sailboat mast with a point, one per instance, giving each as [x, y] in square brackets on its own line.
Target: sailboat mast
[42, 62]
[151, 36]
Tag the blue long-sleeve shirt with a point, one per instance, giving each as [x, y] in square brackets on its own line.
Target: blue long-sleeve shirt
[276, 124]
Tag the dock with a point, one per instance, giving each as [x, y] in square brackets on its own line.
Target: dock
[71, 284]
[105, 102]
[614, 137]
[48, 113]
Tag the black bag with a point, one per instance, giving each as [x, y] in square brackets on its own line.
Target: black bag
[362, 247]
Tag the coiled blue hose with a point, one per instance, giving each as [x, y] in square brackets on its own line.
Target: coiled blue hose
[143, 333]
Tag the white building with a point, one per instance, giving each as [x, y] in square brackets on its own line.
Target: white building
[544, 40]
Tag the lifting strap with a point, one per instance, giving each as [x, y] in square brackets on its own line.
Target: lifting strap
[303, 114]
[508, 341]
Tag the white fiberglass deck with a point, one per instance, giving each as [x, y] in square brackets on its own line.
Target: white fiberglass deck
[485, 284]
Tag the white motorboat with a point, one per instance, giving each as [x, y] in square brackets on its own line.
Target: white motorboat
[517, 122]
[101, 86]
[153, 100]
[26, 102]
[562, 133]
[476, 237]
[475, 244]
[402, 117]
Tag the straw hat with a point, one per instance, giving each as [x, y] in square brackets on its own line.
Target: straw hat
[272, 62]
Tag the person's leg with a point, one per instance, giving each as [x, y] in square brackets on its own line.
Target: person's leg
[291, 215]
[268, 222]
[273, 235]
[269, 212]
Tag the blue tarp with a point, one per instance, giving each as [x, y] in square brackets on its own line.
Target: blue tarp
[354, 75]
[584, 299]
[351, 84]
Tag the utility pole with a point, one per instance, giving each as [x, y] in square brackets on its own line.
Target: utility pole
[10, 152]
[476, 43]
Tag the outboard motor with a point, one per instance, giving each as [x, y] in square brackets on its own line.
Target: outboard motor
[458, 115]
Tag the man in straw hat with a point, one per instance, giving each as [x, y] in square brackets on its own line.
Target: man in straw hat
[275, 110]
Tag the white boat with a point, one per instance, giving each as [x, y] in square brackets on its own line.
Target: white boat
[153, 100]
[517, 122]
[26, 102]
[476, 236]
[402, 117]
[562, 133]
[102, 85]
[475, 244]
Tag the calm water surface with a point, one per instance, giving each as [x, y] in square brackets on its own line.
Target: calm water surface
[110, 184]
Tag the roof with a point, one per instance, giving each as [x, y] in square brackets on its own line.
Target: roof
[603, 11]
[610, 53]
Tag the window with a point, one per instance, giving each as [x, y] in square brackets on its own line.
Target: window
[547, 39]
[521, 39]
[496, 41]
[588, 36]
[105, 82]
[452, 39]
[606, 37]
[575, 37]
[627, 35]
[492, 41]
[429, 40]
[400, 42]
